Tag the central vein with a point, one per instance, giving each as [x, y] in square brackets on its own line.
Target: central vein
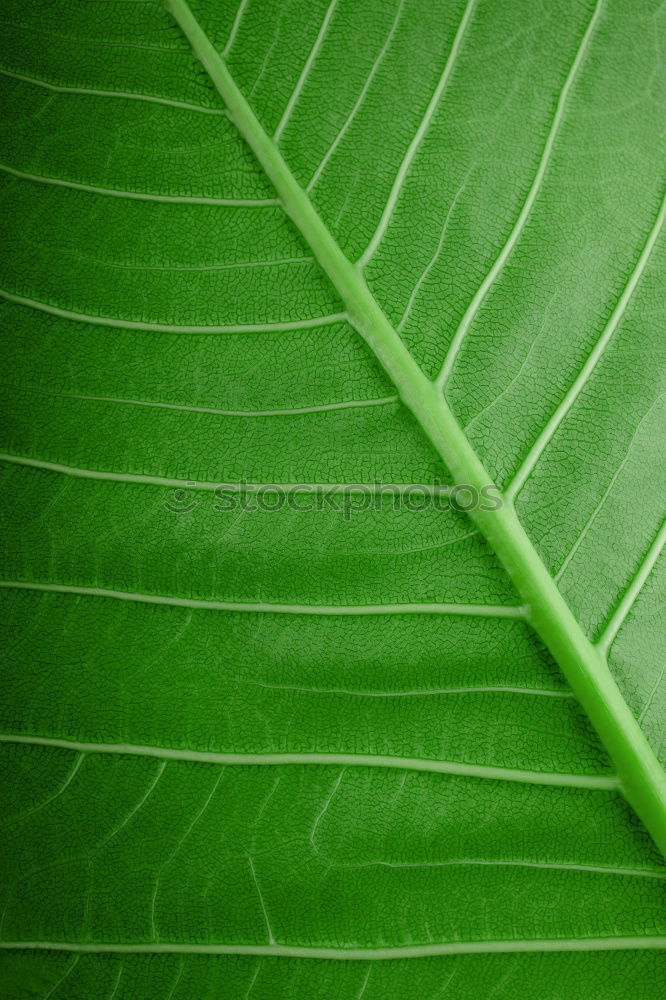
[642, 778]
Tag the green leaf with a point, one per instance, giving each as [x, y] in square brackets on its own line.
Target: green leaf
[314, 741]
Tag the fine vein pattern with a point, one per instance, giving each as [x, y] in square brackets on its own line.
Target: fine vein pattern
[271, 728]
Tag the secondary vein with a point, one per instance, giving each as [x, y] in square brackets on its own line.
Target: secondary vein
[319, 41]
[131, 324]
[359, 101]
[581, 380]
[617, 943]
[265, 607]
[605, 641]
[140, 195]
[413, 147]
[350, 404]
[124, 95]
[596, 782]
[528, 204]
[140, 479]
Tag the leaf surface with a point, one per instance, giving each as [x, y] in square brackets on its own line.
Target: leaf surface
[242, 744]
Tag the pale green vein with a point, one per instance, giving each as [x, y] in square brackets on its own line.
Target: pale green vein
[174, 852]
[175, 984]
[414, 145]
[547, 434]
[117, 982]
[364, 985]
[253, 980]
[435, 257]
[642, 778]
[597, 782]
[359, 102]
[234, 28]
[140, 195]
[559, 866]
[424, 693]
[607, 492]
[240, 265]
[138, 805]
[58, 983]
[605, 640]
[324, 809]
[140, 479]
[528, 204]
[78, 40]
[51, 798]
[509, 386]
[653, 691]
[309, 63]
[350, 404]
[124, 95]
[265, 607]
[432, 949]
[129, 324]
[262, 903]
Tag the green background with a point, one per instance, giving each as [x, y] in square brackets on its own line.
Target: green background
[162, 321]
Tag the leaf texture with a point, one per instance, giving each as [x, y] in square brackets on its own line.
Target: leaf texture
[301, 752]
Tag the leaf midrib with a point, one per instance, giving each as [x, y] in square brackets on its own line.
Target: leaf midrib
[641, 777]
